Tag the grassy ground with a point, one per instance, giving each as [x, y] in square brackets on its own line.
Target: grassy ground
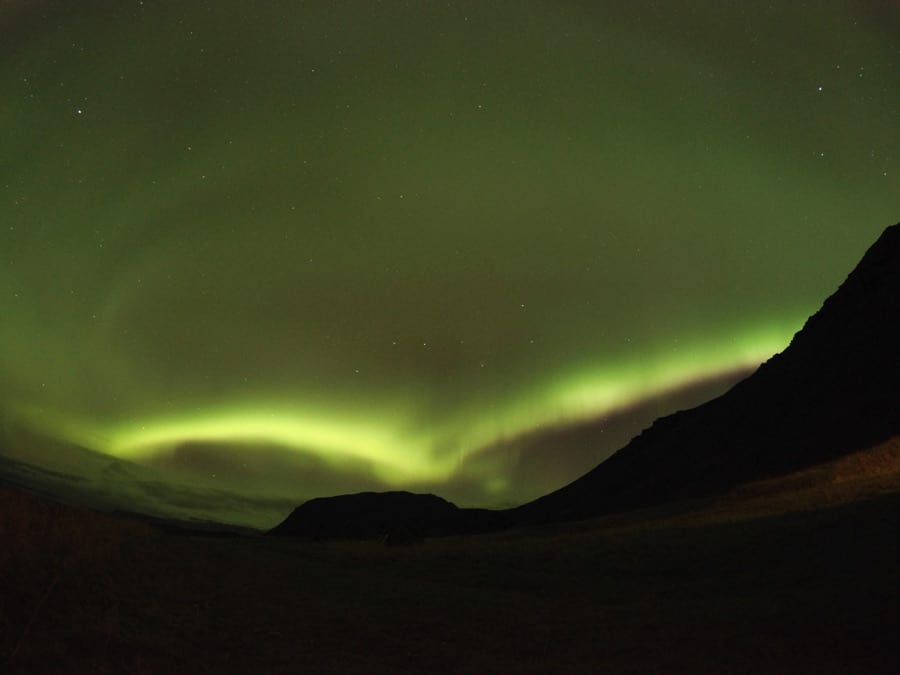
[728, 589]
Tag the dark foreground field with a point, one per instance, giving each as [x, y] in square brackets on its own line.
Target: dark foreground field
[734, 589]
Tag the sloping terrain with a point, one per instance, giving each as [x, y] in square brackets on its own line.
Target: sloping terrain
[396, 517]
[806, 591]
[834, 391]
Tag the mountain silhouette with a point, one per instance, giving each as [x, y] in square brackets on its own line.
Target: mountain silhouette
[396, 517]
[833, 391]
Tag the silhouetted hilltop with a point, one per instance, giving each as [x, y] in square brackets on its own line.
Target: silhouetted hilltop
[834, 390]
[398, 517]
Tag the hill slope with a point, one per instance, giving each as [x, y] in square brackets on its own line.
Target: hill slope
[399, 517]
[835, 390]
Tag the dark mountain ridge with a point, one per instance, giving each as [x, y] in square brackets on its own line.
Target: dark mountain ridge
[397, 517]
[834, 390]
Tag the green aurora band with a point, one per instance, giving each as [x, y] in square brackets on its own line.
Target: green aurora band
[389, 236]
[399, 450]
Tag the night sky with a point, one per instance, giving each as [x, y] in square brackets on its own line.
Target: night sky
[276, 250]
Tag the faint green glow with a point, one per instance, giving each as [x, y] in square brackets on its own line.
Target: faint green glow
[392, 237]
[397, 453]
[589, 393]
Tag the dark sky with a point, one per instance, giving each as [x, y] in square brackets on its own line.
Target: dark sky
[282, 248]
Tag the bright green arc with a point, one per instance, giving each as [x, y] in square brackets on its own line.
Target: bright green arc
[397, 454]
[389, 243]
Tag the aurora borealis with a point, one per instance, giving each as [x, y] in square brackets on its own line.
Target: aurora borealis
[285, 248]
